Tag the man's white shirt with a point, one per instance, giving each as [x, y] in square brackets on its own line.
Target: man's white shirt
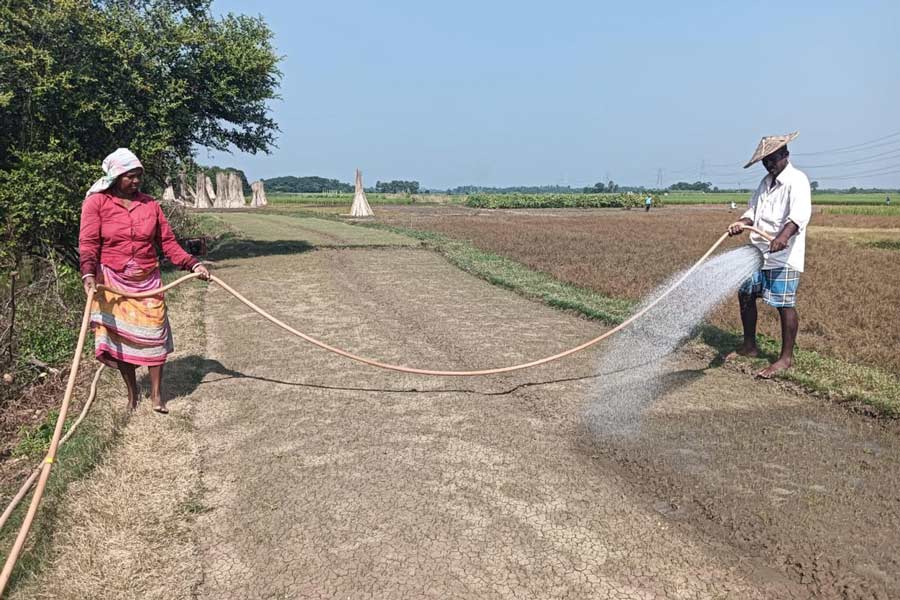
[771, 209]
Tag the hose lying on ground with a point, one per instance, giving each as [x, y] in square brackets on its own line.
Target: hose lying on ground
[44, 471]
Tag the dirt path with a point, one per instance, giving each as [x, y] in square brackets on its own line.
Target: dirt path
[326, 478]
[315, 477]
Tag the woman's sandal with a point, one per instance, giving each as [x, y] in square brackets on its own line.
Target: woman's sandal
[161, 410]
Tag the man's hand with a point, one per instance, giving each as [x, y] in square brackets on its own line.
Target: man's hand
[781, 240]
[90, 285]
[779, 243]
[736, 228]
[202, 271]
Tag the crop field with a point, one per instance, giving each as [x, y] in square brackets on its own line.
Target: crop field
[848, 299]
[627, 200]
[740, 198]
[289, 199]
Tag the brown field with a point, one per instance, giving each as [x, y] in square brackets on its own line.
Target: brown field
[848, 297]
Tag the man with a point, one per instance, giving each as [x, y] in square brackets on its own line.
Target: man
[781, 207]
[648, 202]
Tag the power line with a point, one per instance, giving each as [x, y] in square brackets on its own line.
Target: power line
[837, 178]
[885, 170]
[852, 148]
[861, 161]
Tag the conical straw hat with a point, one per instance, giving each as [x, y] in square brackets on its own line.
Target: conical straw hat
[770, 144]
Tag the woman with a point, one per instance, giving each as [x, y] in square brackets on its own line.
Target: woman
[121, 229]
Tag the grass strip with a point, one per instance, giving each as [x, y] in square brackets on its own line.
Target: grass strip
[75, 461]
[835, 379]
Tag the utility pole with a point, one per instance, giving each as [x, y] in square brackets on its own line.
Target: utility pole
[659, 178]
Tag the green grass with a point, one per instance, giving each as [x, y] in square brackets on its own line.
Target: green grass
[850, 199]
[74, 461]
[819, 199]
[625, 200]
[885, 244]
[813, 372]
[866, 211]
[276, 198]
[35, 441]
[677, 198]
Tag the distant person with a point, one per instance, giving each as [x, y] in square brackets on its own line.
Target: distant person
[781, 206]
[121, 231]
[648, 202]
[887, 200]
[733, 206]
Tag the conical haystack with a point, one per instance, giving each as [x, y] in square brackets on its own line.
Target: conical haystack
[360, 207]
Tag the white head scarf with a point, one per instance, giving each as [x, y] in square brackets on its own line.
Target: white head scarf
[120, 161]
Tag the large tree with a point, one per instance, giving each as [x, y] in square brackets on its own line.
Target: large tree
[80, 78]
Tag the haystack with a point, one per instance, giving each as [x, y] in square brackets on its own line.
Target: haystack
[185, 192]
[236, 191]
[360, 207]
[259, 194]
[169, 192]
[205, 194]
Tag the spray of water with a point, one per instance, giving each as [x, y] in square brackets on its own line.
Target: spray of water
[634, 361]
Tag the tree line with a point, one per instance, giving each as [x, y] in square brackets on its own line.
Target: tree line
[306, 185]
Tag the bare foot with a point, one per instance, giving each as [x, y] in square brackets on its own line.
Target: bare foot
[159, 406]
[750, 350]
[779, 365]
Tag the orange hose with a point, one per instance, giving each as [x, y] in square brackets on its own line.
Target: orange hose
[437, 372]
[51, 453]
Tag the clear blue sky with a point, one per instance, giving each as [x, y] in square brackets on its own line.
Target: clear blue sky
[574, 92]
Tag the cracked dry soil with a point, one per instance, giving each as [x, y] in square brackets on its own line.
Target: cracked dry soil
[324, 478]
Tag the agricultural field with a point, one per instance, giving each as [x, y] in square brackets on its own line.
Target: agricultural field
[289, 199]
[740, 198]
[848, 297]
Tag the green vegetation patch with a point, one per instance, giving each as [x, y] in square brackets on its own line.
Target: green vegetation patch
[885, 244]
[627, 200]
[332, 199]
[864, 210]
[261, 232]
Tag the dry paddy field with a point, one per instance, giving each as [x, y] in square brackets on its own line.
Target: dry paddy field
[849, 296]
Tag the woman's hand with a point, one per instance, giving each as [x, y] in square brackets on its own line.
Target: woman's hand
[90, 285]
[201, 271]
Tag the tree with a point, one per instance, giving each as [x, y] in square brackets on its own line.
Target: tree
[598, 188]
[314, 185]
[697, 186]
[397, 186]
[814, 185]
[82, 77]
